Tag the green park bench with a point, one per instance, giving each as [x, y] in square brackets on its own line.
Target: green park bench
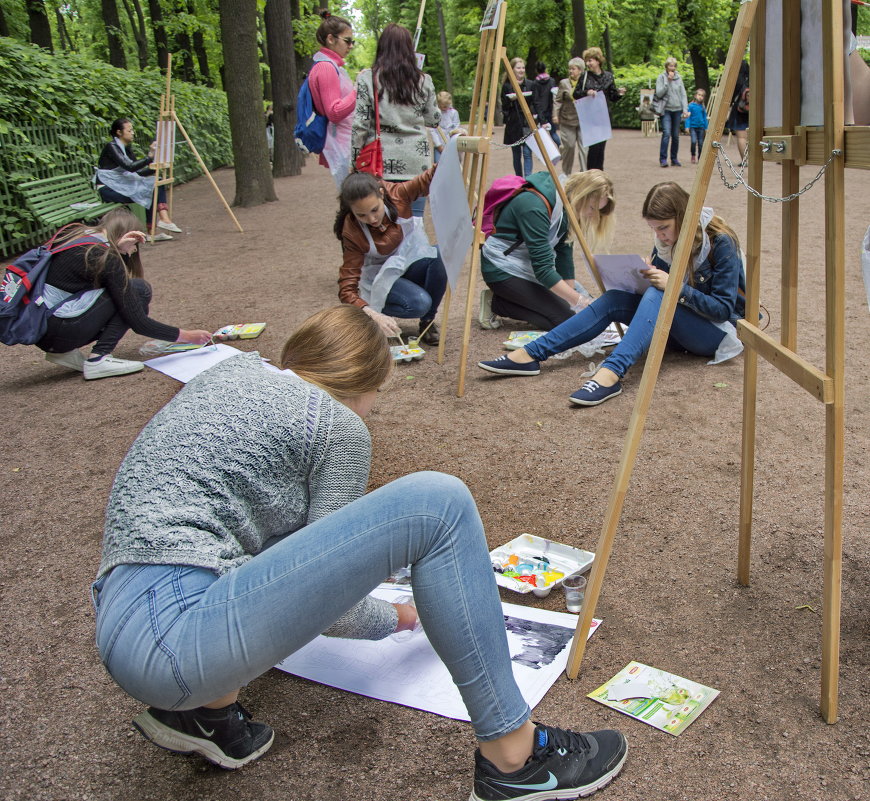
[63, 199]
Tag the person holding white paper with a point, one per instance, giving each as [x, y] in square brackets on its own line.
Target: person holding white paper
[528, 260]
[711, 301]
[238, 530]
[596, 79]
[565, 115]
[388, 267]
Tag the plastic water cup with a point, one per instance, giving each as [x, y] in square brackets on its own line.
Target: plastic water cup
[575, 589]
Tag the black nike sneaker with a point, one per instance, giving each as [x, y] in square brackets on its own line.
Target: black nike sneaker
[225, 736]
[564, 765]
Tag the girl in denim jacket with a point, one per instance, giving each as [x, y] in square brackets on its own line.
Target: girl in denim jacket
[710, 303]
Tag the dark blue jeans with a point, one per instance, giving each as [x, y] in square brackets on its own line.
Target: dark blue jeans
[522, 156]
[418, 293]
[670, 133]
[689, 331]
[697, 135]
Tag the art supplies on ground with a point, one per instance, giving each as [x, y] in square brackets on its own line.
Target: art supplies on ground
[519, 339]
[623, 272]
[535, 564]
[409, 672]
[243, 331]
[661, 699]
[406, 353]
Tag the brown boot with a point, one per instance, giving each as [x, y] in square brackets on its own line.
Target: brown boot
[432, 336]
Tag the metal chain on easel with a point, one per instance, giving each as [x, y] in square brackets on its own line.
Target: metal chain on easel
[722, 155]
[497, 146]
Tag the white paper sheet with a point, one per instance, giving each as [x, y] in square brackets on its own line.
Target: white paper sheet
[623, 272]
[549, 146]
[411, 674]
[184, 366]
[594, 119]
[454, 230]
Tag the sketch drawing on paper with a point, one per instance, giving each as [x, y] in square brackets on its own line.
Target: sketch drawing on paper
[541, 642]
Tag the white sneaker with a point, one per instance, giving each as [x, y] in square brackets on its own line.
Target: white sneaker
[73, 359]
[169, 226]
[160, 237]
[109, 366]
[486, 317]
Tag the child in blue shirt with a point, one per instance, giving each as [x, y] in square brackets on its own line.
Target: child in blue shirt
[697, 123]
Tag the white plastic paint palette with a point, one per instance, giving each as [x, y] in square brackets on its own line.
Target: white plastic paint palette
[530, 548]
[406, 353]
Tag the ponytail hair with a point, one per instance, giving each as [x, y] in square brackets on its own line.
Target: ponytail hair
[341, 350]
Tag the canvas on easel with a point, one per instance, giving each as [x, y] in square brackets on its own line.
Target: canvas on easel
[164, 154]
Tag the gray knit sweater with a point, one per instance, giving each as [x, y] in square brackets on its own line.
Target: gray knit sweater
[239, 456]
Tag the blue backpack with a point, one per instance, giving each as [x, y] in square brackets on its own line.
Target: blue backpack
[310, 130]
[23, 311]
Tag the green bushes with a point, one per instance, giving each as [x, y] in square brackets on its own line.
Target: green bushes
[55, 113]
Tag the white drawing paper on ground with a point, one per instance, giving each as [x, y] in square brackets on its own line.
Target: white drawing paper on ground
[549, 146]
[663, 700]
[594, 119]
[454, 230]
[410, 673]
[623, 272]
[189, 364]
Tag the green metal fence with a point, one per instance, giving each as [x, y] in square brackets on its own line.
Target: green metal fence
[47, 151]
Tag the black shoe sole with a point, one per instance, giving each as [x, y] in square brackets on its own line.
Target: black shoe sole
[507, 371]
[180, 743]
[580, 402]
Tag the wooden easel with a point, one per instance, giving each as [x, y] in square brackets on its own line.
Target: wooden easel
[792, 145]
[475, 169]
[163, 164]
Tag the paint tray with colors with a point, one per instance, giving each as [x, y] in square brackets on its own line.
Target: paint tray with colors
[529, 557]
[406, 353]
[243, 331]
[519, 339]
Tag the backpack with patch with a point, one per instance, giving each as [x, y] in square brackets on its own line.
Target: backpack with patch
[310, 130]
[23, 311]
[499, 194]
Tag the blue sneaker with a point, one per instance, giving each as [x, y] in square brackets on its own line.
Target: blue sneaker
[564, 764]
[504, 366]
[592, 393]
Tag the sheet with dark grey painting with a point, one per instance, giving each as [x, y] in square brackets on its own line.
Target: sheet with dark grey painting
[411, 674]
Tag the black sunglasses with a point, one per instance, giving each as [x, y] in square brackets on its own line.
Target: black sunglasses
[347, 40]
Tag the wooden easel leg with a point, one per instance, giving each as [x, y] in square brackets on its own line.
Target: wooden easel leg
[206, 172]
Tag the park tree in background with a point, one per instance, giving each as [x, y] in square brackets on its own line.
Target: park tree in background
[40, 29]
[286, 157]
[137, 25]
[578, 18]
[238, 24]
[112, 21]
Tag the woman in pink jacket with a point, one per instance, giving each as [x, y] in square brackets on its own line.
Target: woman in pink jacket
[333, 92]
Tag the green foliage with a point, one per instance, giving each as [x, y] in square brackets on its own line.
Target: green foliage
[76, 98]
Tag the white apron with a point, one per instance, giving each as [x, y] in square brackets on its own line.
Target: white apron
[380, 272]
[336, 149]
[139, 188]
[518, 263]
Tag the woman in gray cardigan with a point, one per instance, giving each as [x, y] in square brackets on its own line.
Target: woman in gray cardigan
[406, 106]
[669, 87]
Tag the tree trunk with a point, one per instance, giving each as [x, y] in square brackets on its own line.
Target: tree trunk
[578, 15]
[692, 31]
[113, 34]
[254, 183]
[4, 28]
[264, 57]
[302, 62]
[63, 38]
[137, 25]
[183, 49]
[608, 50]
[199, 49]
[286, 157]
[445, 56]
[158, 30]
[40, 30]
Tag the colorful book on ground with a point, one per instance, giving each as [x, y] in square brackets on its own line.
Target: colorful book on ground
[661, 699]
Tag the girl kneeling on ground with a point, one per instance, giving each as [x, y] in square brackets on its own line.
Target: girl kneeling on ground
[388, 268]
[710, 303]
[198, 596]
[115, 299]
[528, 261]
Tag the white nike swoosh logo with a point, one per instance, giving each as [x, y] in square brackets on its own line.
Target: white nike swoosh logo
[210, 733]
[550, 784]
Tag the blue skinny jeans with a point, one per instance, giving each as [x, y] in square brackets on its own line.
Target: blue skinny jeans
[689, 330]
[670, 133]
[178, 637]
[697, 136]
[418, 293]
[522, 156]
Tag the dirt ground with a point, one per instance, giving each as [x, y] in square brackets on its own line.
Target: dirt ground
[535, 464]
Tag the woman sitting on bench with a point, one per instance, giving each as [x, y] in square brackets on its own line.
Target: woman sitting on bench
[122, 178]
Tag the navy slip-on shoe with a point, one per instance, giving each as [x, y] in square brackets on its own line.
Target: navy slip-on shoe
[504, 366]
[592, 393]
